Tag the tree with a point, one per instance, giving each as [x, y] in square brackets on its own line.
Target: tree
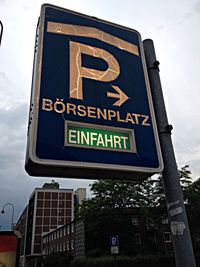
[192, 194]
[111, 207]
[106, 213]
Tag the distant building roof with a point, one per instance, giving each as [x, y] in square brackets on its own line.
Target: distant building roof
[52, 185]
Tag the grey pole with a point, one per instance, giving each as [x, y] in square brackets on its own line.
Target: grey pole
[1, 32]
[176, 210]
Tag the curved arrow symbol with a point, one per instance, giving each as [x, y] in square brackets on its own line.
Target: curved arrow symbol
[120, 95]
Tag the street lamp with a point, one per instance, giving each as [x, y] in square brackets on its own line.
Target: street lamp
[3, 211]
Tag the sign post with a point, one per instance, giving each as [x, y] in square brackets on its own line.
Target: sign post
[91, 113]
[176, 210]
[114, 245]
[1, 31]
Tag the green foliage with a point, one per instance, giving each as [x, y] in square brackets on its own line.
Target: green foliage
[192, 194]
[109, 194]
[110, 210]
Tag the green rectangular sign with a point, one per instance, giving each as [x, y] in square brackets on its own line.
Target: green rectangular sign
[99, 137]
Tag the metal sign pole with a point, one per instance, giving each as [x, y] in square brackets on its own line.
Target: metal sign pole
[1, 32]
[176, 210]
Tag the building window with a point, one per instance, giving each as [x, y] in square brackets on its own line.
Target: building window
[167, 237]
[164, 219]
[135, 220]
[150, 224]
[72, 244]
[152, 237]
[68, 229]
[137, 239]
[72, 228]
[64, 231]
[67, 245]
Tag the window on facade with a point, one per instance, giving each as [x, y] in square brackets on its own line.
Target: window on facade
[150, 224]
[149, 221]
[167, 237]
[68, 229]
[67, 245]
[59, 220]
[135, 220]
[72, 244]
[72, 228]
[137, 239]
[164, 219]
[64, 231]
[152, 237]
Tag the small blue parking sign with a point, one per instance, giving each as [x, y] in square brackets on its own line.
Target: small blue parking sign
[114, 240]
[91, 113]
[114, 244]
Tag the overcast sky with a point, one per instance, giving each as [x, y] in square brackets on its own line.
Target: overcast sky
[174, 27]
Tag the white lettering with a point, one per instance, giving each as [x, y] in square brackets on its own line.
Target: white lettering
[107, 140]
[93, 137]
[100, 140]
[72, 135]
[124, 138]
[85, 138]
[117, 141]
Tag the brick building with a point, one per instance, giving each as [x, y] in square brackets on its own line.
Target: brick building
[48, 208]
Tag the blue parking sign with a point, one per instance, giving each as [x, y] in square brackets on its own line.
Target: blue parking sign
[91, 113]
[114, 241]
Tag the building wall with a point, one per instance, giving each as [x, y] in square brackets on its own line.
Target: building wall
[59, 240]
[52, 210]
[48, 209]
[21, 227]
[79, 239]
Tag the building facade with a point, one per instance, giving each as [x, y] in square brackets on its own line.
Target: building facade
[48, 209]
[142, 234]
[59, 240]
